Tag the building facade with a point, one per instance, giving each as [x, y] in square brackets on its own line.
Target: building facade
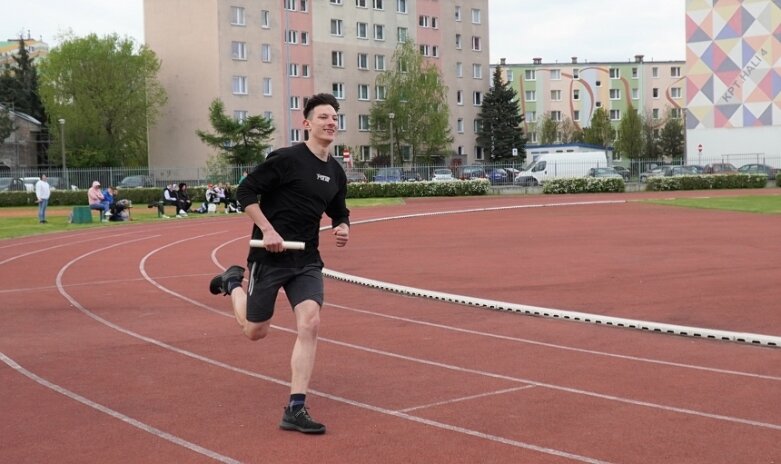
[733, 73]
[265, 57]
[574, 91]
[10, 48]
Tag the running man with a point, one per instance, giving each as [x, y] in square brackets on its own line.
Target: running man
[296, 186]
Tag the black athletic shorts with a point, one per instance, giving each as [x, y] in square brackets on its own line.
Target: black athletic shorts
[300, 284]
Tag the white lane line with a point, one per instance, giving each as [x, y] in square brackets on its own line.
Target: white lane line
[115, 414]
[466, 398]
[61, 245]
[559, 347]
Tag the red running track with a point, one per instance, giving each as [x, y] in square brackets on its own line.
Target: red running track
[114, 351]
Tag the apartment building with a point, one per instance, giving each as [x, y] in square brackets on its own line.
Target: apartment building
[10, 48]
[266, 57]
[576, 89]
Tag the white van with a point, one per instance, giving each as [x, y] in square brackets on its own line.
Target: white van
[560, 165]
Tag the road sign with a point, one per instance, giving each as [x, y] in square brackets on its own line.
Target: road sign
[699, 148]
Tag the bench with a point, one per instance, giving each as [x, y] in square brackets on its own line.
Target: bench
[83, 215]
[160, 205]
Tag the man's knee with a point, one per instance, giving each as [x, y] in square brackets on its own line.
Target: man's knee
[256, 330]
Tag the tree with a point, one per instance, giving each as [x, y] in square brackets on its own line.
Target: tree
[650, 142]
[671, 137]
[569, 132]
[242, 142]
[416, 95]
[19, 85]
[549, 129]
[630, 135]
[601, 131]
[6, 124]
[500, 117]
[108, 94]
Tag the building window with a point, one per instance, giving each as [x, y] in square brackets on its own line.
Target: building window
[459, 97]
[304, 5]
[477, 98]
[598, 104]
[615, 73]
[654, 71]
[510, 75]
[576, 115]
[576, 94]
[401, 6]
[555, 115]
[530, 95]
[675, 71]
[675, 113]
[379, 62]
[360, 3]
[336, 26]
[378, 4]
[459, 69]
[635, 94]
[532, 137]
[291, 37]
[304, 38]
[362, 30]
[239, 116]
[460, 125]
[265, 53]
[265, 19]
[423, 21]
[655, 113]
[555, 95]
[363, 61]
[531, 116]
[615, 115]
[530, 75]
[477, 71]
[363, 122]
[337, 59]
[379, 92]
[237, 16]
[576, 73]
[458, 41]
[434, 51]
[295, 135]
[336, 2]
[476, 44]
[615, 94]
[267, 86]
[379, 32]
[290, 5]
[675, 92]
[458, 13]
[365, 152]
[341, 122]
[363, 92]
[634, 73]
[239, 50]
[434, 23]
[293, 70]
[475, 16]
[555, 74]
[401, 34]
[338, 90]
[305, 70]
[294, 103]
[239, 85]
[478, 152]
[655, 92]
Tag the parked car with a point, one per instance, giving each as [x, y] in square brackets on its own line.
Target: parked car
[12, 184]
[136, 182]
[388, 175]
[442, 175]
[695, 169]
[755, 168]
[497, 176]
[625, 173]
[720, 168]
[411, 176]
[355, 176]
[604, 172]
[473, 172]
[655, 172]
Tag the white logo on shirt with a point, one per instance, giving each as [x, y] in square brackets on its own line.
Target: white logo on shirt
[323, 178]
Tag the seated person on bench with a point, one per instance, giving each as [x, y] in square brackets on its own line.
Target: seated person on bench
[97, 200]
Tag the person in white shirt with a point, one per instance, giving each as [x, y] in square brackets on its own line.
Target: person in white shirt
[42, 194]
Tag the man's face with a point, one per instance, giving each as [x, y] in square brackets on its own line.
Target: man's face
[322, 123]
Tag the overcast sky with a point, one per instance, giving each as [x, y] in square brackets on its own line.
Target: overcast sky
[554, 30]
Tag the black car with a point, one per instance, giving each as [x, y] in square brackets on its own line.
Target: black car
[625, 173]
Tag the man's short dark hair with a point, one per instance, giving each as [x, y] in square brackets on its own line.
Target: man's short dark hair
[320, 99]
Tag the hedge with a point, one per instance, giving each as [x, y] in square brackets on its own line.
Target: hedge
[144, 196]
[707, 182]
[584, 185]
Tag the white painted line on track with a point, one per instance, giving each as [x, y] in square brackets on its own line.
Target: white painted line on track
[466, 398]
[117, 415]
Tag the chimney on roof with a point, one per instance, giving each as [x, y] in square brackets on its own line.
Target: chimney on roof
[574, 60]
[638, 58]
[502, 61]
[537, 60]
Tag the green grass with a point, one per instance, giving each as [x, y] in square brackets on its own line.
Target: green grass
[23, 221]
[770, 204]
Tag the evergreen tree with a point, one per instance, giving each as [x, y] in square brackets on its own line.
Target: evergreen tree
[19, 85]
[241, 142]
[630, 135]
[415, 93]
[501, 118]
[6, 124]
[650, 142]
[671, 138]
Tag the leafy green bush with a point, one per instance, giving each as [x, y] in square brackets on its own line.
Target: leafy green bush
[418, 189]
[584, 185]
[707, 182]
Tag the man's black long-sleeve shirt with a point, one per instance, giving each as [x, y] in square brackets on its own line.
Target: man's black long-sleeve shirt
[295, 189]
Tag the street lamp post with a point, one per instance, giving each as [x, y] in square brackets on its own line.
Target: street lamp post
[62, 150]
[390, 118]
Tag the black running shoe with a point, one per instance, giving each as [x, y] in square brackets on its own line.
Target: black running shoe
[300, 421]
[219, 283]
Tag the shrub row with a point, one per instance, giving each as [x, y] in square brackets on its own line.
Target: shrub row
[707, 182]
[584, 185]
[144, 196]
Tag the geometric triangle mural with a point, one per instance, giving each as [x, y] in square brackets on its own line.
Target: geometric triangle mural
[733, 76]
